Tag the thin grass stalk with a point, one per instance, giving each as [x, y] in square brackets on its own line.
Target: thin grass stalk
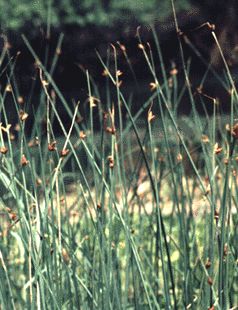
[159, 244]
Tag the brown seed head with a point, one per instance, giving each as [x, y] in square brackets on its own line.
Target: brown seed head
[38, 181]
[65, 256]
[122, 47]
[111, 161]
[82, 135]
[52, 146]
[119, 73]
[118, 84]
[93, 101]
[111, 130]
[233, 130]
[174, 71]
[226, 161]
[209, 281]
[5, 129]
[225, 251]
[105, 72]
[24, 161]
[217, 149]
[20, 100]
[34, 142]
[153, 86]
[23, 115]
[3, 150]
[208, 264]
[64, 152]
[13, 216]
[12, 136]
[205, 139]
[8, 88]
[44, 83]
[151, 116]
[216, 215]
[179, 157]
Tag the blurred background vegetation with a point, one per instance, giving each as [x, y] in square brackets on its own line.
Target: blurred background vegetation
[18, 14]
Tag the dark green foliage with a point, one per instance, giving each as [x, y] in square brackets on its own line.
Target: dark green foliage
[18, 14]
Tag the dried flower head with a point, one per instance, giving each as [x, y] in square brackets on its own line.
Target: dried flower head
[65, 256]
[105, 72]
[161, 159]
[216, 215]
[5, 129]
[24, 161]
[217, 149]
[82, 135]
[3, 150]
[62, 199]
[111, 130]
[208, 189]
[99, 206]
[210, 281]
[225, 251]
[8, 88]
[111, 161]
[226, 161]
[93, 101]
[64, 152]
[122, 47]
[44, 83]
[17, 127]
[212, 27]
[174, 71]
[119, 73]
[118, 83]
[20, 100]
[208, 263]
[141, 46]
[12, 216]
[52, 146]
[34, 142]
[23, 115]
[153, 85]
[38, 181]
[179, 157]
[205, 139]
[12, 136]
[233, 130]
[151, 116]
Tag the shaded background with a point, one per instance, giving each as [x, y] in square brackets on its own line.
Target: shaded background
[90, 25]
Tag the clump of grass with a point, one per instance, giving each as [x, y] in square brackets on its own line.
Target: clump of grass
[133, 215]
